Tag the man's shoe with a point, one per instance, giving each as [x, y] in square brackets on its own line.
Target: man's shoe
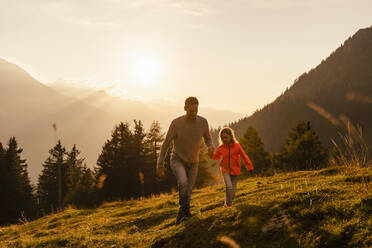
[187, 213]
[183, 216]
[180, 216]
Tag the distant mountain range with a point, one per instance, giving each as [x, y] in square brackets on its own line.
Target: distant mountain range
[85, 117]
[28, 110]
[338, 90]
[160, 110]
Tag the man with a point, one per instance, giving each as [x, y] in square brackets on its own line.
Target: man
[186, 132]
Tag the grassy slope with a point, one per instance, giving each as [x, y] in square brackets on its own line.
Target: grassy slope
[326, 209]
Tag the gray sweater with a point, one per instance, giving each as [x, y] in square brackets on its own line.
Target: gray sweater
[187, 136]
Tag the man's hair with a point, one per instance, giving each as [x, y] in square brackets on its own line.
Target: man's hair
[191, 101]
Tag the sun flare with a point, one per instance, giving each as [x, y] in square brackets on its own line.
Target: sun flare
[145, 70]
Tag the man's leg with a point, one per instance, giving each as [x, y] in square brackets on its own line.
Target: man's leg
[192, 173]
[179, 171]
[229, 188]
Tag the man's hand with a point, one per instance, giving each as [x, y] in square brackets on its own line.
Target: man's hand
[210, 151]
[160, 171]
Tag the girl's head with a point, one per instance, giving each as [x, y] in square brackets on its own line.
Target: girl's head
[227, 136]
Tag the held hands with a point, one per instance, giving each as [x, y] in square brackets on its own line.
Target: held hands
[210, 151]
[160, 171]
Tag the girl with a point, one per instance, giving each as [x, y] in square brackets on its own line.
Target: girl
[230, 151]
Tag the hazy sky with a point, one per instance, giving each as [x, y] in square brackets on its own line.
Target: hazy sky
[236, 55]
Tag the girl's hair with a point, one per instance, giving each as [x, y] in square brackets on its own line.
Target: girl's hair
[228, 131]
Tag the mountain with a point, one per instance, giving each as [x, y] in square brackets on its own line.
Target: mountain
[161, 110]
[300, 209]
[336, 91]
[20, 92]
[28, 110]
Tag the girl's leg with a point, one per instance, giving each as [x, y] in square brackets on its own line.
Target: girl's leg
[229, 188]
[234, 182]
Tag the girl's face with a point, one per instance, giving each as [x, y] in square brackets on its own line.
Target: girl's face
[226, 139]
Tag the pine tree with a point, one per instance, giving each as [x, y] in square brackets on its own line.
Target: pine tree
[139, 159]
[302, 150]
[252, 144]
[15, 186]
[3, 182]
[52, 185]
[154, 139]
[80, 181]
[118, 164]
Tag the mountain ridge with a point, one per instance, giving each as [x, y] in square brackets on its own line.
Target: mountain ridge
[159, 109]
[325, 90]
[29, 109]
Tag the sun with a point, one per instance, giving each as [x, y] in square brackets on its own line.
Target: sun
[145, 70]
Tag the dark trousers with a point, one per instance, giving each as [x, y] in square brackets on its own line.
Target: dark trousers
[186, 174]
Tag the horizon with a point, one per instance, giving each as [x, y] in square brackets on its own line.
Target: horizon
[146, 49]
[109, 89]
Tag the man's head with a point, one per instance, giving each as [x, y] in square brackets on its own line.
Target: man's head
[191, 107]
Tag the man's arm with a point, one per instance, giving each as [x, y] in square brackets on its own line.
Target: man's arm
[208, 139]
[165, 146]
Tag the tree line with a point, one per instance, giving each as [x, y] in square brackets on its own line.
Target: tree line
[126, 169]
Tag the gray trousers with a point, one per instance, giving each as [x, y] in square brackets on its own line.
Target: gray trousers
[186, 174]
[230, 183]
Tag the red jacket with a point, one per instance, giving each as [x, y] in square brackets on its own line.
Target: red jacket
[236, 151]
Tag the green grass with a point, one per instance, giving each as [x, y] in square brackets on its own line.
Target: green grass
[325, 208]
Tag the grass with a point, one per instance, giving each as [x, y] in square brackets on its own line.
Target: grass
[323, 208]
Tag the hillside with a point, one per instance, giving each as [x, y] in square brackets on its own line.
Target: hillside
[323, 208]
[337, 90]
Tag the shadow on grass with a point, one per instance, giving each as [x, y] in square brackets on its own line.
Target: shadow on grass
[359, 179]
[167, 204]
[242, 224]
[138, 224]
[309, 226]
[326, 224]
[211, 207]
[328, 172]
[154, 219]
[136, 212]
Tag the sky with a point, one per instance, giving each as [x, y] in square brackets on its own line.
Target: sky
[233, 55]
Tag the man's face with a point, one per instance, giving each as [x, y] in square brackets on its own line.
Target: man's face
[191, 111]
